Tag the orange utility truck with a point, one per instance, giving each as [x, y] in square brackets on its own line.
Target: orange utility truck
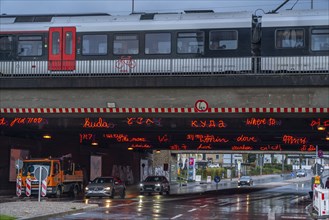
[63, 176]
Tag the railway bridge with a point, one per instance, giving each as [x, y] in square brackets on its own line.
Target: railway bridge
[124, 121]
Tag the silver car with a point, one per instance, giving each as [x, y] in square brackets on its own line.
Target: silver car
[106, 187]
[155, 184]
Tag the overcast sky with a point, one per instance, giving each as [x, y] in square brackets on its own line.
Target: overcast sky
[116, 7]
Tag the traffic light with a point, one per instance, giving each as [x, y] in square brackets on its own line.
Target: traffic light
[191, 161]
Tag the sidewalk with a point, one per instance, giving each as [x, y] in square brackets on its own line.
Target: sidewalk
[27, 209]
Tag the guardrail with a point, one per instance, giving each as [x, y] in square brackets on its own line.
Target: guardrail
[128, 66]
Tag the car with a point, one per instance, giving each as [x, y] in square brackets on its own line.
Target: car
[106, 186]
[245, 181]
[214, 165]
[155, 184]
[301, 173]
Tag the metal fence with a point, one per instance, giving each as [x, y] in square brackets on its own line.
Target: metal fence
[127, 66]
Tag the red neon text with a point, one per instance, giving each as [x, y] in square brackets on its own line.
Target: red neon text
[87, 137]
[243, 138]
[289, 139]
[242, 147]
[208, 124]
[207, 138]
[177, 147]
[268, 147]
[100, 123]
[308, 148]
[144, 121]
[262, 121]
[124, 138]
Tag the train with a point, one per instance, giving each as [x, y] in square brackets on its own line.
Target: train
[180, 44]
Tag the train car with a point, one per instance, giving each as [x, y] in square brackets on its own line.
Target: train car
[180, 43]
[189, 43]
[295, 42]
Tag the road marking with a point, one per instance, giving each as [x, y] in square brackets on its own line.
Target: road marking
[192, 210]
[203, 206]
[177, 216]
[293, 217]
[79, 213]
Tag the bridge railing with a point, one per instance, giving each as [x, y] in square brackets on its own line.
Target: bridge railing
[127, 66]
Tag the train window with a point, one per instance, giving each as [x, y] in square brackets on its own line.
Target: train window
[68, 43]
[5, 43]
[223, 40]
[158, 43]
[94, 44]
[320, 40]
[126, 44]
[190, 42]
[29, 46]
[55, 43]
[289, 38]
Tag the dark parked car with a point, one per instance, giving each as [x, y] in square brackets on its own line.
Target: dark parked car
[301, 173]
[245, 181]
[106, 187]
[155, 184]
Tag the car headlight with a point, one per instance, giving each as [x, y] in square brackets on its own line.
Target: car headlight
[141, 185]
[86, 188]
[107, 188]
[158, 184]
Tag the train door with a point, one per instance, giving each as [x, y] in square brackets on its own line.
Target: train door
[61, 55]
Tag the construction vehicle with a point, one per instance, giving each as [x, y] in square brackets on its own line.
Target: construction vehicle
[64, 176]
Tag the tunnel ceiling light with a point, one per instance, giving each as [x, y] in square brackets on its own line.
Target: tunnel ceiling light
[130, 148]
[46, 136]
[321, 128]
[327, 137]
[94, 143]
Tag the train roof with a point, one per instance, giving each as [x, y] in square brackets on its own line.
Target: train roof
[296, 18]
[106, 22]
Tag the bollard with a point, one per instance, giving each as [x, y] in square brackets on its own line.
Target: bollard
[44, 187]
[28, 186]
[19, 186]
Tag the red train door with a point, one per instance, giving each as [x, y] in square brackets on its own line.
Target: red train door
[61, 55]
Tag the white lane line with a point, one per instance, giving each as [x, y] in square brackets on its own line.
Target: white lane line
[78, 213]
[293, 217]
[177, 216]
[192, 210]
[203, 206]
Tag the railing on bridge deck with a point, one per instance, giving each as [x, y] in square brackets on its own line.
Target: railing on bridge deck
[127, 66]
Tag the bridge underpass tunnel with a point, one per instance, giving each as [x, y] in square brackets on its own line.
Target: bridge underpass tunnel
[126, 145]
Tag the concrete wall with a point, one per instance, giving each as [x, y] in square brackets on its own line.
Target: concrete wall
[165, 97]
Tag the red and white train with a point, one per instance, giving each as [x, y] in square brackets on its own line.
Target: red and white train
[189, 43]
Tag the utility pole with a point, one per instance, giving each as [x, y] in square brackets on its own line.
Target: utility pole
[132, 6]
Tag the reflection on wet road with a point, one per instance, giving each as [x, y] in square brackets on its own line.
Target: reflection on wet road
[285, 202]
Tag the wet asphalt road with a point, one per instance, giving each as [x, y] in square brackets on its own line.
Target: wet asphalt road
[279, 202]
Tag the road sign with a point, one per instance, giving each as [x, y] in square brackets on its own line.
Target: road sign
[217, 179]
[18, 164]
[317, 169]
[201, 106]
[41, 174]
